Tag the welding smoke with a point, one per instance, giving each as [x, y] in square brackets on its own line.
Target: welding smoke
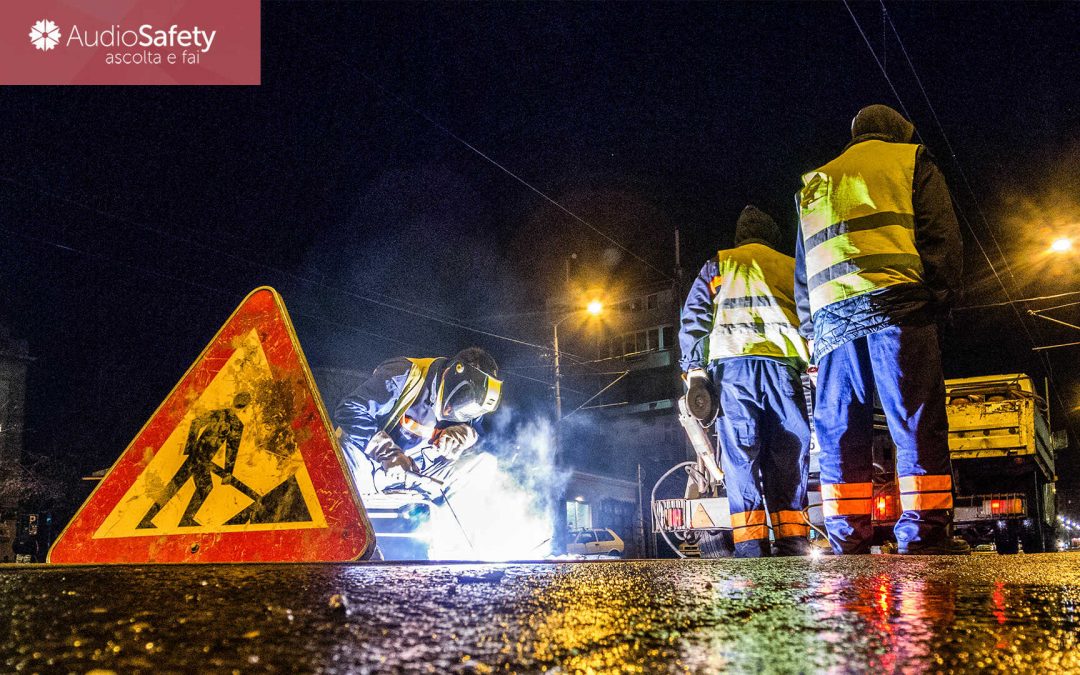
[504, 497]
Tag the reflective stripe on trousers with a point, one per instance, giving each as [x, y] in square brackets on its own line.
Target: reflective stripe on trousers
[903, 365]
[765, 442]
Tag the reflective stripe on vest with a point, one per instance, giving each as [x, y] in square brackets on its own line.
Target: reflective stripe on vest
[857, 221]
[754, 305]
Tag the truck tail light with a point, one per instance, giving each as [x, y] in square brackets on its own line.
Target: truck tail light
[881, 508]
[1004, 507]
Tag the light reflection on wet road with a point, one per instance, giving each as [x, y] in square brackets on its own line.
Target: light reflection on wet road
[879, 613]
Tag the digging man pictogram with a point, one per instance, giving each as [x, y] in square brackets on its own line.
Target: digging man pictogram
[206, 436]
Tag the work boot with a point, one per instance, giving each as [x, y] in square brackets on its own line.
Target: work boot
[950, 546]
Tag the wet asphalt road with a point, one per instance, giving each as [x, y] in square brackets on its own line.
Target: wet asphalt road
[879, 613]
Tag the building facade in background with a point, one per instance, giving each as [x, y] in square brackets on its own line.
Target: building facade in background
[629, 433]
[14, 363]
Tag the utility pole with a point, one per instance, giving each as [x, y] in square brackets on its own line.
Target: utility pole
[558, 374]
[644, 546]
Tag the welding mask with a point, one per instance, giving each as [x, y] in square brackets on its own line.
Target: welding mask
[468, 388]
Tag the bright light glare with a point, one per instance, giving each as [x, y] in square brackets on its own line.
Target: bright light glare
[1061, 245]
[595, 307]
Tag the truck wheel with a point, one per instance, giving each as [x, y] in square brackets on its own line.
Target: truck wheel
[1006, 541]
[1033, 542]
[716, 544]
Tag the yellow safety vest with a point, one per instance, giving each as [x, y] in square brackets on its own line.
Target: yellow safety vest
[754, 305]
[414, 382]
[858, 223]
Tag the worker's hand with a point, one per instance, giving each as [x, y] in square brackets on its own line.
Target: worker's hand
[701, 401]
[396, 463]
[389, 457]
[455, 440]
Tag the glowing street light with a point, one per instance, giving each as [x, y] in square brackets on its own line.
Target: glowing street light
[1061, 245]
[594, 308]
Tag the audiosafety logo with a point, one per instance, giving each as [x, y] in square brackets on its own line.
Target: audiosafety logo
[45, 35]
[133, 42]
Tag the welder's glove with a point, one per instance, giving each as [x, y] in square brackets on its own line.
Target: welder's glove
[701, 401]
[455, 440]
[389, 457]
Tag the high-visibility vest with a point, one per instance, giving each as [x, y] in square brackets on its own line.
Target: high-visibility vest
[857, 221]
[754, 305]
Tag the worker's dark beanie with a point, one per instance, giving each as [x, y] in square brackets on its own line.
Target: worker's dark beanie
[756, 224]
[881, 120]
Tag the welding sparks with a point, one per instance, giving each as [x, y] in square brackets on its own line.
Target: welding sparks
[502, 506]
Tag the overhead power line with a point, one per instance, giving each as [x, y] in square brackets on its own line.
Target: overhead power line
[446, 130]
[222, 292]
[1024, 300]
[388, 303]
[982, 215]
[971, 192]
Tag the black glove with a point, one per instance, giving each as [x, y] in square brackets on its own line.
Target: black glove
[701, 401]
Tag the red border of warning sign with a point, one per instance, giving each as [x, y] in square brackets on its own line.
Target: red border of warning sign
[348, 535]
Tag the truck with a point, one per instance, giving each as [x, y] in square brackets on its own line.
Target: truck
[1003, 455]
[1003, 462]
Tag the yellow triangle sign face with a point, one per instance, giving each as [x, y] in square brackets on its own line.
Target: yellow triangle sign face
[262, 464]
[238, 464]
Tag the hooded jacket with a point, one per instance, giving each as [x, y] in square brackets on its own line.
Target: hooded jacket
[937, 241]
[742, 304]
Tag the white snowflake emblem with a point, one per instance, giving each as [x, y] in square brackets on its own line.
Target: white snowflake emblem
[45, 35]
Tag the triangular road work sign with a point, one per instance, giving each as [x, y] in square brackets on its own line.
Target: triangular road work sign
[239, 464]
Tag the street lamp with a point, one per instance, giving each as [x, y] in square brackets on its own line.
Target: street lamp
[1061, 245]
[594, 308]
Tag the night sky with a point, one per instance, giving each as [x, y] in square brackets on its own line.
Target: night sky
[134, 219]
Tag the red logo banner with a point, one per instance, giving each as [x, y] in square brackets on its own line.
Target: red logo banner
[130, 42]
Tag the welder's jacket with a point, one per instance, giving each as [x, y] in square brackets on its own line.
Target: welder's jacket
[400, 400]
[742, 304]
[878, 245]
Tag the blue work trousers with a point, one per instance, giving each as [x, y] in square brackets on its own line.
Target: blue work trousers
[764, 435]
[903, 364]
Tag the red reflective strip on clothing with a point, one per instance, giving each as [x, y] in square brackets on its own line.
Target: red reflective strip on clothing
[791, 530]
[940, 483]
[750, 533]
[747, 518]
[846, 507]
[414, 427]
[788, 518]
[847, 490]
[715, 284]
[926, 501]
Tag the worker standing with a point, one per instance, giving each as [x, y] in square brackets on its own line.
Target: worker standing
[740, 337]
[413, 418]
[878, 262]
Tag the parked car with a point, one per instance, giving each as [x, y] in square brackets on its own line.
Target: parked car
[595, 542]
